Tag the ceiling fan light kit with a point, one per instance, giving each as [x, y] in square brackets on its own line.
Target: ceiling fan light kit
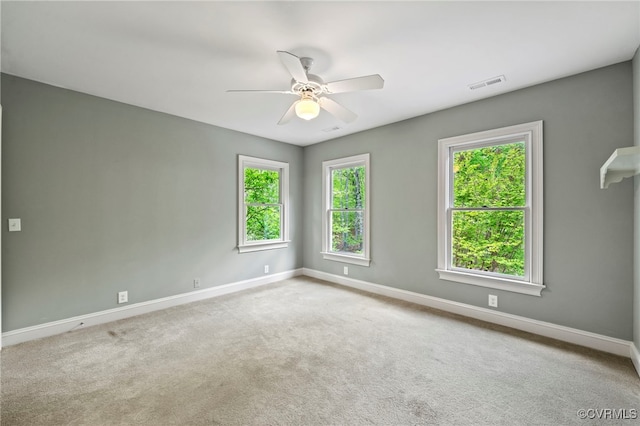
[312, 90]
[307, 108]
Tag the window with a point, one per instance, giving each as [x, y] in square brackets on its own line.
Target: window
[345, 224]
[263, 193]
[490, 208]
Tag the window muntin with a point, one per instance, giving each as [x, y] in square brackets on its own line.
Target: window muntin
[263, 204]
[346, 210]
[490, 208]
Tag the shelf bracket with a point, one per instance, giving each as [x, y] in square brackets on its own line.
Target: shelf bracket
[623, 163]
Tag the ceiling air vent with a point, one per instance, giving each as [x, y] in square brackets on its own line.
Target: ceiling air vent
[488, 82]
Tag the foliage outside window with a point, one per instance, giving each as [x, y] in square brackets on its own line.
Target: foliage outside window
[346, 210]
[490, 209]
[263, 198]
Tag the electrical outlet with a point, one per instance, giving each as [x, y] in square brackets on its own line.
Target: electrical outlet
[346, 270]
[493, 300]
[123, 296]
[196, 283]
[266, 269]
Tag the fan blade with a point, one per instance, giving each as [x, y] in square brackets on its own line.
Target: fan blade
[291, 112]
[286, 92]
[294, 66]
[368, 82]
[337, 110]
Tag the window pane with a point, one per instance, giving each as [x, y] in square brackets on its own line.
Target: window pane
[491, 241]
[263, 223]
[261, 186]
[348, 188]
[347, 232]
[492, 176]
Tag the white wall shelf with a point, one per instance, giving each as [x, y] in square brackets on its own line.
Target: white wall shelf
[623, 163]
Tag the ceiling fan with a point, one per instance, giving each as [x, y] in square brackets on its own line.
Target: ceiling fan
[312, 90]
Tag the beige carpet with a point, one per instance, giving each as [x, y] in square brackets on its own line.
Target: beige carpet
[304, 352]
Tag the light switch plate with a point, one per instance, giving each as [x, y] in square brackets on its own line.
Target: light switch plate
[15, 225]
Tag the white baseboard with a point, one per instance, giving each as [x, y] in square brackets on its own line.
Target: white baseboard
[566, 334]
[571, 335]
[62, 326]
[635, 357]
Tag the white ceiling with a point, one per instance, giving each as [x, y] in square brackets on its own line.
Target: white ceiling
[180, 57]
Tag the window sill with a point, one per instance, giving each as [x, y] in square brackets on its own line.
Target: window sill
[492, 282]
[263, 246]
[354, 260]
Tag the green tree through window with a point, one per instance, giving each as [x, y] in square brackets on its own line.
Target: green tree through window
[488, 214]
[262, 203]
[347, 205]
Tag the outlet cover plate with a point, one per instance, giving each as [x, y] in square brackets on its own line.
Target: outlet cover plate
[493, 301]
[123, 296]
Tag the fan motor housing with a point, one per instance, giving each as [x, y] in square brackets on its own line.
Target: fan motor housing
[314, 85]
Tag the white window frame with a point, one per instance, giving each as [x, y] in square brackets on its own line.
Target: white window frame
[531, 283]
[245, 246]
[327, 167]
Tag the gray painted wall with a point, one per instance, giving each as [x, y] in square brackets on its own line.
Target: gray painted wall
[588, 239]
[114, 197]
